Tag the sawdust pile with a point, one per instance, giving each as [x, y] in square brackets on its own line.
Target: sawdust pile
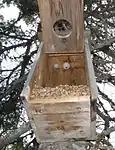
[60, 91]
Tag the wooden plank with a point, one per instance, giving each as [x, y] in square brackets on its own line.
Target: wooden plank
[63, 119]
[31, 77]
[65, 54]
[61, 100]
[77, 58]
[62, 127]
[60, 107]
[75, 75]
[93, 87]
[90, 69]
[52, 11]
[46, 23]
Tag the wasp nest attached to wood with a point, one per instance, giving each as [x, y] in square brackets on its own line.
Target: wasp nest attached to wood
[60, 91]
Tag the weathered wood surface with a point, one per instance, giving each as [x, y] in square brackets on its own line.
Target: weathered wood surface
[62, 120]
[92, 85]
[67, 99]
[32, 75]
[49, 76]
[89, 67]
[66, 118]
[75, 75]
[72, 11]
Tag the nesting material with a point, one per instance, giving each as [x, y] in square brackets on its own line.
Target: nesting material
[60, 91]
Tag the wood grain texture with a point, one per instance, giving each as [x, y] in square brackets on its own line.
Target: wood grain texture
[72, 117]
[90, 69]
[62, 121]
[67, 99]
[75, 75]
[92, 85]
[72, 11]
[74, 104]
[26, 92]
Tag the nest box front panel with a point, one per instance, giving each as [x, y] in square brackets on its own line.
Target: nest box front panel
[62, 25]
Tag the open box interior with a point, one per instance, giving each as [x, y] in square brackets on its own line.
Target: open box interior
[61, 117]
[60, 71]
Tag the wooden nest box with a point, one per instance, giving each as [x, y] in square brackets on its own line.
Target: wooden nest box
[60, 90]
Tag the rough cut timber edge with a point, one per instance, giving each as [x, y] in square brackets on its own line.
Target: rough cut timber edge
[92, 84]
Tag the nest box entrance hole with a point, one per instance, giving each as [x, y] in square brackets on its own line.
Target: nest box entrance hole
[62, 28]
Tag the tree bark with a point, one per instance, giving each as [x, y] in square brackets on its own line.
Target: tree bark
[10, 137]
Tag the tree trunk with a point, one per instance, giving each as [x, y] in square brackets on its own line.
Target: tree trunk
[63, 146]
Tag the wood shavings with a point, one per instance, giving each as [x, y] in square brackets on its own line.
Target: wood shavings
[60, 91]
